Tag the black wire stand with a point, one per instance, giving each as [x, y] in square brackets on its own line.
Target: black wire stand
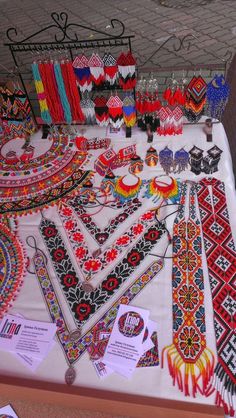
[65, 38]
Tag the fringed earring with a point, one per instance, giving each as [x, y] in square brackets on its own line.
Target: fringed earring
[177, 121]
[87, 107]
[82, 72]
[115, 111]
[151, 158]
[218, 92]
[101, 111]
[129, 111]
[166, 160]
[181, 160]
[195, 99]
[126, 66]
[110, 69]
[96, 67]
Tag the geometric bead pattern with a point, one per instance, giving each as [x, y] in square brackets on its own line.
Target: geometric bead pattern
[221, 261]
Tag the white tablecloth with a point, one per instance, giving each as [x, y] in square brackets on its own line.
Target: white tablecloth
[157, 296]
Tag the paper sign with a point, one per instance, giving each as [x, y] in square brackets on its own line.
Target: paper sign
[125, 344]
[24, 336]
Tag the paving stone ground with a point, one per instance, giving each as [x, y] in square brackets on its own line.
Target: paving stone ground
[213, 25]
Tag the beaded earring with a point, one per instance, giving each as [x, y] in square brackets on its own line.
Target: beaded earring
[110, 68]
[129, 111]
[195, 159]
[108, 182]
[211, 161]
[82, 72]
[96, 66]
[115, 111]
[181, 160]
[136, 165]
[166, 159]
[101, 111]
[151, 158]
[87, 107]
[195, 99]
[217, 94]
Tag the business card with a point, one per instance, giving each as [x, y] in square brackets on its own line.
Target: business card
[23, 336]
[125, 345]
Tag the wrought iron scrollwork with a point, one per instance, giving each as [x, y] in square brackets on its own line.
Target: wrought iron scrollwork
[179, 44]
[66, 30]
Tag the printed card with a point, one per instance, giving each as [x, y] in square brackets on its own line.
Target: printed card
[125, 345]
[27, 337]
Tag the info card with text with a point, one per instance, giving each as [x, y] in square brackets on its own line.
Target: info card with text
[125, 345]
[24, 336]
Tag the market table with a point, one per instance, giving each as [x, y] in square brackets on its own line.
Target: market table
[150, 391]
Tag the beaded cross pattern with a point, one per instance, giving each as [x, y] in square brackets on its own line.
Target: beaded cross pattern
[221, 260]
[189, 359]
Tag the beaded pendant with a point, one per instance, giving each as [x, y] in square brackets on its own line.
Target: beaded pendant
[151, 158]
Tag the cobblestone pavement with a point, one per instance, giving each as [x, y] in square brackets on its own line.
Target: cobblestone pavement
[213, 25]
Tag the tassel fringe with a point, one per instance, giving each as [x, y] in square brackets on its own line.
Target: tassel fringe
[225, 390]
[185, 374]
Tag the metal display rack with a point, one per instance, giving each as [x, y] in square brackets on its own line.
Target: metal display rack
[65, 39]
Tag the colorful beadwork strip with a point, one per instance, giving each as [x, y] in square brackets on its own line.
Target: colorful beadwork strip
[84, 304]
[63, 185]
[12, 267]
[221, 261]
[59, 145]
[190, 362]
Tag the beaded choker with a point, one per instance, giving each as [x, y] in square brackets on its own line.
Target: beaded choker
[126, 191]
[157, 188]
